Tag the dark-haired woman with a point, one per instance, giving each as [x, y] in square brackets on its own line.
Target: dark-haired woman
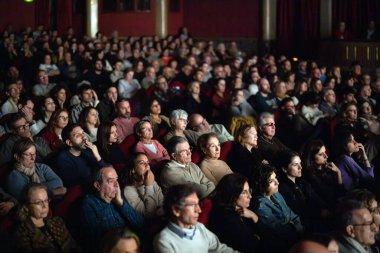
[52, 133]
[230, 219]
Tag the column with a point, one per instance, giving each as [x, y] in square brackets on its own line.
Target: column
[269, 19]
[162, 18]
[325, 19]
[92, 18]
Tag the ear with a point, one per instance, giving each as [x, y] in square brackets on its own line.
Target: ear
[176, 211]
[350, 231]
[15, 156]
[68, 142]
[97, 185]
[173, 155]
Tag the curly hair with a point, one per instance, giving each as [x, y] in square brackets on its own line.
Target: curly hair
[262, 177]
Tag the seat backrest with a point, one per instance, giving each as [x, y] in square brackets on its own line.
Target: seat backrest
[225, 150]
[206, 206]
[62, 208]
[128, 144]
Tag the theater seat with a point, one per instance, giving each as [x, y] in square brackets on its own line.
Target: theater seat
[62, 208]
[225, 150]
[196, 157]
[206, 206]
[128, 144]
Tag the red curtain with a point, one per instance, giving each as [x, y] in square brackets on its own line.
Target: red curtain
[42, 13]
[64, 15]
[309, 15]
[286, 24]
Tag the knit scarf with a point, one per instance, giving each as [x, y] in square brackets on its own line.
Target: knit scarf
[30, 172]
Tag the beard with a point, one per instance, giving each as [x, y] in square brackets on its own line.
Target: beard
[126, 116]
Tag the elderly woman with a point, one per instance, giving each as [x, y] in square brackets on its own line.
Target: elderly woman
[39, 232]
[26, 170]
[245, 157]
[230, 219]
[52, 134]
[178, 120]
[158, 121]
[324, 176]
[213, 168]
[283, 225]
[89, 121]
[299, 194]
[153, 149]
[142, 191]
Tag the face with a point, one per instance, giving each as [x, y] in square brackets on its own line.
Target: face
[366, 109]
[162, 84]
[155, 108]
[281, 88]
[318, 86]
[352, 145]
[321, 157]
[213, 148]
[146, 131]
[245, 197]
[124, 109]
[113, 138]
[351, 113]
[221, 86]
[330, 97]
[43, 77]
[92, 117]
[366, 91]
[126, 246]
[21, 128]
[365, 228]
[250, 137]
[180, 124]
[141, 165]
[195, 88]
[38, 206]
[290, 108]
[200, 124]
[28, 157]
[188, 216]
[77, 139]
[269, 128]
[272, 185]
[129, 75]
[111, 94]
[62, 120]
[49, 105]
[86, 96]
[375, 211]
[264, 86]
[13, 91]
[294, 168]
[109, 186]
[183, 155]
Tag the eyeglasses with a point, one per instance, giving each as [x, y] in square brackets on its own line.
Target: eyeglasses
[365, 224]
[63, 118]
[188, 151]
[374, 210]
[29, 154]
[184, 120]
[247, 192]
[22, 127]
[40, 202]
[142, 162]
[270, 124]
[192, 205]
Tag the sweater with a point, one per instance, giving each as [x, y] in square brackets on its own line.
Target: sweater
[154, 158]
[214, 170]
[171, 240]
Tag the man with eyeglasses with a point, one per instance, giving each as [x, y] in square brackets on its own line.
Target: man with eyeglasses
[357, 228]
[43, 87]
[200, 124]
[180, 169]
[184, 233]
[270, 146]
[19, 128]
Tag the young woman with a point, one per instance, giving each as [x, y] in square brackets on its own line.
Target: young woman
[47, 108]
[213, 168]
[37, 231]
[160, 123]
[52, 134]
[89, 120]
[231, 219]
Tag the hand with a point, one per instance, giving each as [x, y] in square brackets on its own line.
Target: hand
[333, 167]
[118, 199]
[94, 95]
[28, 114]
[245, 212]
[94, 149]
[361, 150]
[59, 191]
[149, 178]
[265, 162]
[5, 207]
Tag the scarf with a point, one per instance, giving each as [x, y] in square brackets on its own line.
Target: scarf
[30, 172]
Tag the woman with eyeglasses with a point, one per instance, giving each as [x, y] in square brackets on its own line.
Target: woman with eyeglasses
[299, 194]
[213, 168]
[153, 149]
[26, 170]
[323, 175]
[280, 224]
[52, 133]
[37, 231]
[231, 219]
[245, 157]
[142, 191]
